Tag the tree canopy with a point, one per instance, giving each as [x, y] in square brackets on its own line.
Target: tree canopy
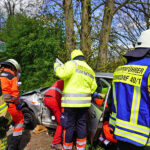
[35, 45]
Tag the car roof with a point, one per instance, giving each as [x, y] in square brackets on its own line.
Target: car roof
[104, 75]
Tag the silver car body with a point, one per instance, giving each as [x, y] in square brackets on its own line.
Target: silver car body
[34, 101]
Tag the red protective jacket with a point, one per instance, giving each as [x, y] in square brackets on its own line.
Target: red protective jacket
[52, 100]
[56, 90]
[9, 86]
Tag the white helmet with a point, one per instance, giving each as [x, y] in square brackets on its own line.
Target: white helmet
[144, 40]
[15, 64]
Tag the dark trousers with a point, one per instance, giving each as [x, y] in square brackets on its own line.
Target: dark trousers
[74, 119]
[128, 146]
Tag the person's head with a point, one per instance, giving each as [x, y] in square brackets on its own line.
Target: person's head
[77, 55]
[142, 47]
[11, 64]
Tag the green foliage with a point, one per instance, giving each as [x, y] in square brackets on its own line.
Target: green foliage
[35, 45]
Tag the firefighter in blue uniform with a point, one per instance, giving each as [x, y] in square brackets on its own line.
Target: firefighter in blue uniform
[130, 116]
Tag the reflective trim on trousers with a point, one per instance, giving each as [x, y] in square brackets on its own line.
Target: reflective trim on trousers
[17, 133]
[81, 143]
[3, 107]
[105, 141]
[18, 129]
[132, 136]
[67, 147]
[80, 148]
[57, 89]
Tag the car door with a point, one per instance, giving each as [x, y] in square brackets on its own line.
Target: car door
[96, 113]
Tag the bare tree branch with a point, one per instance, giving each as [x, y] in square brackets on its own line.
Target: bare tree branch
[59, 4]
[121, 5]
[97, 7]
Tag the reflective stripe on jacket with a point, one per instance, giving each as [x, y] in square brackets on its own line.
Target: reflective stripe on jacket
[131, 103]
[56, 89]
[79, 83]
[9, 86]
[3, 143]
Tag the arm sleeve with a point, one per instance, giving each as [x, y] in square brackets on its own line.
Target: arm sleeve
[94, 86]
[112, 119]
[148, 85]
[64, 72]
[15, 90]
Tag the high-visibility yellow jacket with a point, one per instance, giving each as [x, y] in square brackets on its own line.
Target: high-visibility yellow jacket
[4, 113]
[79, 83]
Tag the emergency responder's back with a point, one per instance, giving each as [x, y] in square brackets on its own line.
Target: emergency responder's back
[79, 81]
[80, 69]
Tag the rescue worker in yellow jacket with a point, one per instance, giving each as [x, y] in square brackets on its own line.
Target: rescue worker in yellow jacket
[79, 84]
[5, 120]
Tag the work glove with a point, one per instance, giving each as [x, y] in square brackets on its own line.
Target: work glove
[95, 95]
[20, 105]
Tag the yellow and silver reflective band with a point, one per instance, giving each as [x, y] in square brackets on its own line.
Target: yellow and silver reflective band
[76, 95]
[112, 122]
[134, 127]
[132, 136]
[81, 71]
[76, 100]
[114, 96]
[3, 145]
[135, 105]
[3, 107]
[57, 89]
[112, 119]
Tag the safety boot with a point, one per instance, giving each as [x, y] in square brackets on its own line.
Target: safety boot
[57, 146]
[15, 143]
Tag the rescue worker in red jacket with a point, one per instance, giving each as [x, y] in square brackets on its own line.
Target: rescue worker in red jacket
[52, 100]
[9, 79]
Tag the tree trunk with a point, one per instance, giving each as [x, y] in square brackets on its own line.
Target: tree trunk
[85, 42]
[69, 26]
[104, 33]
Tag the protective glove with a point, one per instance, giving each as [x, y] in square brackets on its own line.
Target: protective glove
[95, 95]
[19, 106]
